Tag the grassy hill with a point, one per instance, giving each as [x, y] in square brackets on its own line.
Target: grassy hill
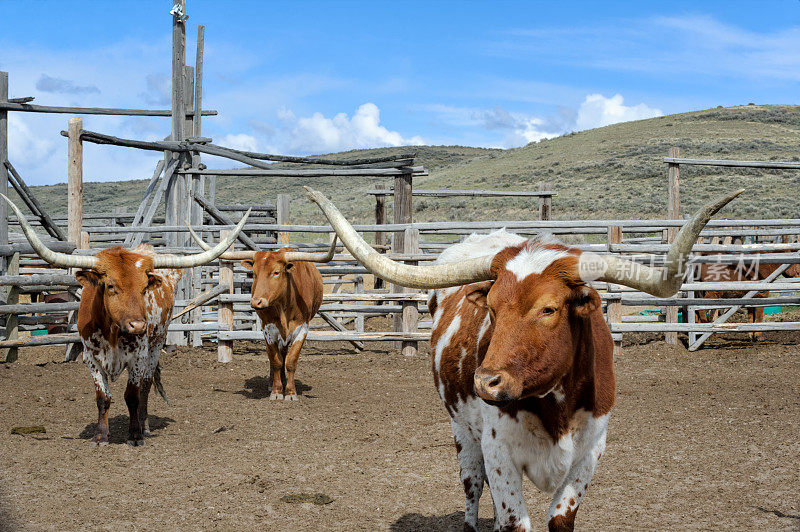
[614, 171]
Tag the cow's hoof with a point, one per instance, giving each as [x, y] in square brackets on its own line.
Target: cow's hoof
[146, 433]
[276, 397]
[291, 397]
[98, 443]
[135, 443]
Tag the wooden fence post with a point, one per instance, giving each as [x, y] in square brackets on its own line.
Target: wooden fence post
[9, 354]
[225, 310]
[75, 181]
[614, 304]
[380, 219]
[673, 213]
[410, 314]
[75, 349]
[545, 202]
[283, 217]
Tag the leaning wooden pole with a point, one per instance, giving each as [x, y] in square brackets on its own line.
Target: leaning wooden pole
[3, 157]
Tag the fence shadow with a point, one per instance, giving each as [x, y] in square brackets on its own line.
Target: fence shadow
[258, 388]
[453, 522]
[118, 427]
[780, 514]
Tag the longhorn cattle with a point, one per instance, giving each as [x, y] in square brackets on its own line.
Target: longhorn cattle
[742, 271]
[522, 357]
[286, 294]
[125, 309]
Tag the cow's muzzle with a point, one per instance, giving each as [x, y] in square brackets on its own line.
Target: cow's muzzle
[135, 326]
[259, 302]
[496, 386]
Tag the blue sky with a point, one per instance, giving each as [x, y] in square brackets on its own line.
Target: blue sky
[314, 77]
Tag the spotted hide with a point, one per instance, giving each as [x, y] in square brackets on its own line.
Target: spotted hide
[524, 368]
[286, 295]
[122, 320]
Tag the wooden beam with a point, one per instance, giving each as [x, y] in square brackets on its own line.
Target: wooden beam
[49, 109]
[283, 217]
[673, 213]
[722, 162]
[3, 157]
[223, 219]
[37, 209]
[198, 80]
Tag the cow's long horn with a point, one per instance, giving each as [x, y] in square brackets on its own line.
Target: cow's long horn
[291, 256]
[189, 261]
[228, 255]
[436, 276]
[63, 260]
[312, 256]
[660, 282]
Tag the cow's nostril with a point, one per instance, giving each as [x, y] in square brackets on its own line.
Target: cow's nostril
[493, 381]
[135, 327]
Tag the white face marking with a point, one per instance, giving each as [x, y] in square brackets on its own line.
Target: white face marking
[533, 260]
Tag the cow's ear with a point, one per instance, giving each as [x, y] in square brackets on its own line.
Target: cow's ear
[476, 293]
[584, 301]
[248, 264]
[288, 268]
[154, 280]
[87, 278]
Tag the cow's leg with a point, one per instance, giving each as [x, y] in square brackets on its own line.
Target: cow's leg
[275, 371]
[473, 474]
[144, 394]
[103, 404]
[135, 438]
[567, 498]
[505, 482]
[292, 357]
[756, 315]
[103, 399]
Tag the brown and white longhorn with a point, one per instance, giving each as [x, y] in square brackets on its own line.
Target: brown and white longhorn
[286, 294]
[522, 357]
[125, 309]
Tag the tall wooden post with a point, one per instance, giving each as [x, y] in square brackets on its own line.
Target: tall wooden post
[225, 310]
[410, 314]
[283, 217]
[380, 219]
[198, 83]
[545, 203]
[402, 208]
[75, 181]
[614, 308]
[3, 170]
[673, 213]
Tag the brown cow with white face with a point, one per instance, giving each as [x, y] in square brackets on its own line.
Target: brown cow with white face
[286, 294]
[522, 357]
[125, 309]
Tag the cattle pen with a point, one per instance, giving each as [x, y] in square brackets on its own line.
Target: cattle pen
[212, 301]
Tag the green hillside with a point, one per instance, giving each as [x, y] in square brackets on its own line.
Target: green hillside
[614, 171]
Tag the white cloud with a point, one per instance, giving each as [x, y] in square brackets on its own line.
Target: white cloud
[598, 111]
[240, 141]
[319, 134]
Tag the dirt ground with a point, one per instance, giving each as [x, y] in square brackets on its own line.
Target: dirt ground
[705, 440]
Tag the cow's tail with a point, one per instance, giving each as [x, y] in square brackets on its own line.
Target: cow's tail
[159, 386]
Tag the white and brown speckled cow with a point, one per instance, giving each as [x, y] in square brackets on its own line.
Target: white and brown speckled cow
[522, 357]
[286, 294]
[125, 309]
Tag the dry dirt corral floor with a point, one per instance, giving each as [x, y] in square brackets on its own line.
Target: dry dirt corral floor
[705, 440]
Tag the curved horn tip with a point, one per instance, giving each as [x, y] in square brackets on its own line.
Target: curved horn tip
[313, 195]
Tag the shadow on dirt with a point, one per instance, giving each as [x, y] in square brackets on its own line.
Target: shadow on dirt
[778, 513]
[258, 388]
[439, 523]
[118, 428]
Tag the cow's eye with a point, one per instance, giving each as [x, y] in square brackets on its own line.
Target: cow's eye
[548, 311]
[112, 289]
[276, 273]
